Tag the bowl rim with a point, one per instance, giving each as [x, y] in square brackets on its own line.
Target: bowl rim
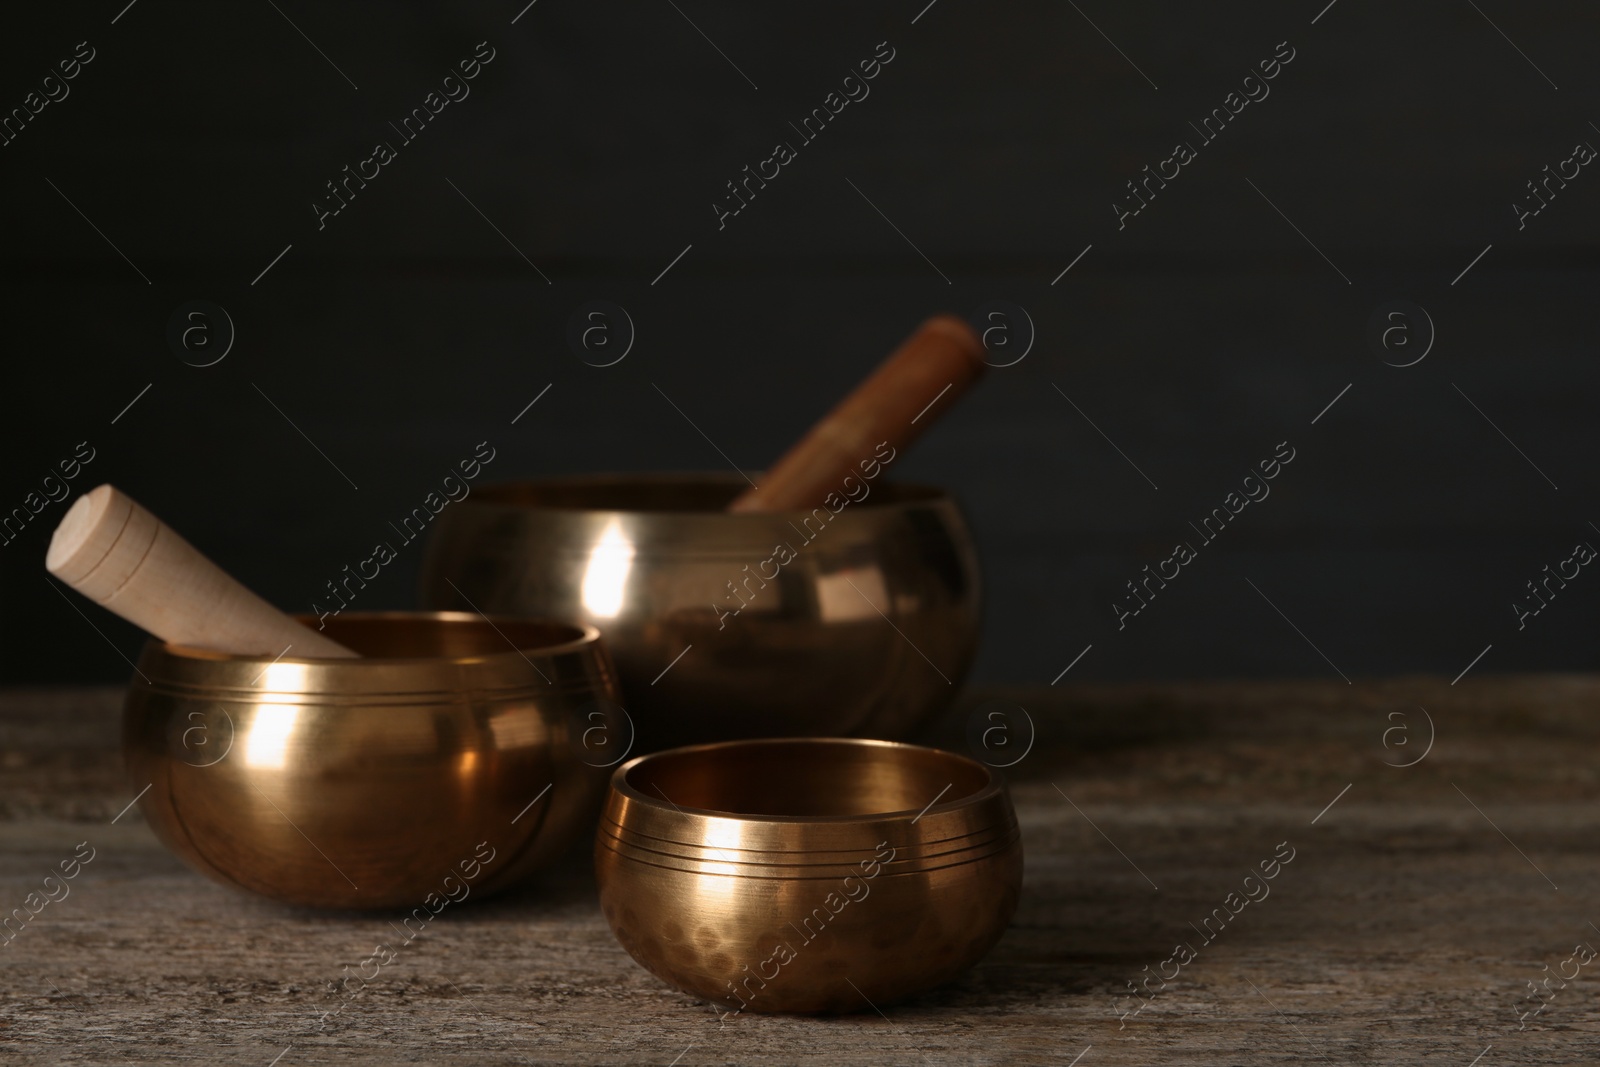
[492, 495]
[589, 635]
[993, 786]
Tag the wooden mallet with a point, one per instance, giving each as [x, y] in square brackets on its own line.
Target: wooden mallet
[125, 559]
[906, 394]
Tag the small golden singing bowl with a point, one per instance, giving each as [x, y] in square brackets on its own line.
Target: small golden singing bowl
[451, 760]
[859, 621]
[807, 875]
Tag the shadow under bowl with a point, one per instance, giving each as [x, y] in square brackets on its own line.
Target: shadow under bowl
[807, 875]
[861, 621]
[449, 760]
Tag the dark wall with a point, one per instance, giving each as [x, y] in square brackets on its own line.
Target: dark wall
[1216, 323]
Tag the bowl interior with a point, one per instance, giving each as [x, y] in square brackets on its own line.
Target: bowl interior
[447, 635]
[806, 779]
[658, 493]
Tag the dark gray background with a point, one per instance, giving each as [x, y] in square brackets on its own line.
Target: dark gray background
[1197, 338]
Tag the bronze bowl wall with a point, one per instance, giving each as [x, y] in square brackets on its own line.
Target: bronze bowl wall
[716, 631]
[449, 761]
[807, 874]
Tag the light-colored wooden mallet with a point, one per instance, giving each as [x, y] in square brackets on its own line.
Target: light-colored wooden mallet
[906, 394]
[125, 559]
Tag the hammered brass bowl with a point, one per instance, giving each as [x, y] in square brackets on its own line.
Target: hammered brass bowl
[717, 634]
[807, 875]
[450, 761]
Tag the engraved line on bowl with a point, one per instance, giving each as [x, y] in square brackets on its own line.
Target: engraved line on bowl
[790, 872]
[626, 838]
[634, 837]
[908, 856]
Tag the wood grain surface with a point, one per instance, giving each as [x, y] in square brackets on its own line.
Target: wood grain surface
[1416, 909]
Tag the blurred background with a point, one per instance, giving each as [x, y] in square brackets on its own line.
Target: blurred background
[376, 347]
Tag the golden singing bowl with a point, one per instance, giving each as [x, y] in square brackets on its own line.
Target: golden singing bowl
[867, 629]
[807, 875]
[451, 760]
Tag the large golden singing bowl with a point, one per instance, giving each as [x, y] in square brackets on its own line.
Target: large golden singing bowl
[807, 875]
[451, 760]
[861, 622]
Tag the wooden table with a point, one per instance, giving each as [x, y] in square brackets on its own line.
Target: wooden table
[1419, 904]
